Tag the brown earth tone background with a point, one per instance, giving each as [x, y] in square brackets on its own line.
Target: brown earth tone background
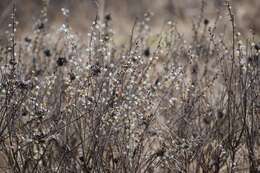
[124, 12]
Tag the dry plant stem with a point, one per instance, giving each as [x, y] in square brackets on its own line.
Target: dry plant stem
[230, 93]
[13, 17]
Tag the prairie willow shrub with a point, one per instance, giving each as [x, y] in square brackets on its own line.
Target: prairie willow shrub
[98, 106]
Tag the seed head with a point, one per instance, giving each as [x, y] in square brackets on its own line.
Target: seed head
[257, 46]
[47, 52]
[194, 69]
[206, 21]
[160, 152]
[206, 120]
[72, 76]
[147, 52]
[40, 26]
[81, 158]
[108, 17]
[27, 40]
[61, 61]
[95, 70]
[24, 85]
[220, 114]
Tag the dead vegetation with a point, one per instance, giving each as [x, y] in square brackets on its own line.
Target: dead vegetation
[156, 103]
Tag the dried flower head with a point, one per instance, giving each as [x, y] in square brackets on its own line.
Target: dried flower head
[147, 52]
[24, 85]
[206, 120]
[108, 17]
[47, 52]
[72, 76]
[95, 69]
[220, 114]
[27, 40]
[40, 26]
[206, 21]
[61, 61]
[195, 69]
[257, 46]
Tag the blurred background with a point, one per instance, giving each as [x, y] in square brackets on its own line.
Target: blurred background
[124, 12]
